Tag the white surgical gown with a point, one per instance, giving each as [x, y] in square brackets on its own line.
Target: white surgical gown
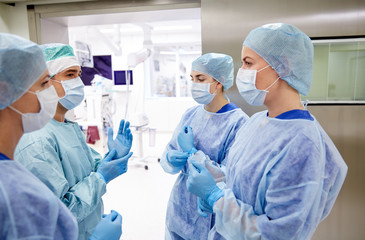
[283, 177]
[59, 156]
[29, 210]
[213, 134]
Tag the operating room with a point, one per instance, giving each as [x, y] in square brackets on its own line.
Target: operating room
[136, 61]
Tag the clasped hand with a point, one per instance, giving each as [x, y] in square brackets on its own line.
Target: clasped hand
[112, 167]
[201, 183]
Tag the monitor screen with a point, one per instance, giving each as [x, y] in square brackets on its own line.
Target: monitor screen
[120, 77]
[102, 66]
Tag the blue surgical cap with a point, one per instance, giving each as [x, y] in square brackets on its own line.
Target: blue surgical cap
[218, 66]
[59, 57]
[286, 49]
[21, 65]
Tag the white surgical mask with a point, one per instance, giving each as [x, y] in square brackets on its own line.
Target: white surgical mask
[74, 92]
[200, 92]
[246, 84]
[48, 100]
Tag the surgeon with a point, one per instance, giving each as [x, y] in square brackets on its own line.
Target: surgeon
[28, 100]
[283, 171]
[58, 154]
[214, 123]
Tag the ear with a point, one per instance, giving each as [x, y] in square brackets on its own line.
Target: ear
[219, 87]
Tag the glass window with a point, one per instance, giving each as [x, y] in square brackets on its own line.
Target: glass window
[338, 71]
[171, 70]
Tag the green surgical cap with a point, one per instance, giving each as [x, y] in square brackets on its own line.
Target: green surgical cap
[286, 49]
[21, 65]
[59, 57]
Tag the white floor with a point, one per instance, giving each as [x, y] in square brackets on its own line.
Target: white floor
[141, 195]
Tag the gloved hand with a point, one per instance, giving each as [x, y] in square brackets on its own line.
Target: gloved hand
[201, 183]
[109, 227]
[177, 158]
[203, 208]
[123, 141]
[214, 168]
[218, 172]
[185, 138]
[111, 168]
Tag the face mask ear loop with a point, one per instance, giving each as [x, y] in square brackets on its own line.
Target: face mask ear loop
[56, 81]
[15, 110]
[215, 88]
[263, 68]
[272, 84]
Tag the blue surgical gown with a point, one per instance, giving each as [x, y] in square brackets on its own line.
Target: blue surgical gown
[29, 210]
[283, 177]
[59, 156]
[213, 134]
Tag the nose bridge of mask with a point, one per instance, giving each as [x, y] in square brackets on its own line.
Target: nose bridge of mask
[69, 83]
[201, 86]
[247, 76]
[47, 95]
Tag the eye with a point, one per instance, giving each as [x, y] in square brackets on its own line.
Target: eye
[45, 82]
[247, 63]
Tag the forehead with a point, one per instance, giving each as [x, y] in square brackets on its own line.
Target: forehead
[196, 73]
[72, 69]
[248, 52]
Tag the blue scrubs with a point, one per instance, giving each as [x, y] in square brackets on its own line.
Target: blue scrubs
[59, 156]
[3, 157]
[213, 134]
[28, 209]
[283, 177]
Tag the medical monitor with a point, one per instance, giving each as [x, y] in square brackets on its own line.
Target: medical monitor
[120, 77]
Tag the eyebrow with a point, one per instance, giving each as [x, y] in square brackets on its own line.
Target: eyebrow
[198, 75]
[71, 71]
[47, 77]
[243, 59]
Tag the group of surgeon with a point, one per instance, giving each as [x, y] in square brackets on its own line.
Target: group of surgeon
[274, 175]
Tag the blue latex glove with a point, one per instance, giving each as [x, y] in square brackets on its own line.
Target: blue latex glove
[177, 158]
[109, 227]
[123, 142]
[185, 138]
[203, 208]
[111, 167]
[201, 183]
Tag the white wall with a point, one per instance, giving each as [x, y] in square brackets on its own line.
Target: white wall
[53, 32]
[14, 19]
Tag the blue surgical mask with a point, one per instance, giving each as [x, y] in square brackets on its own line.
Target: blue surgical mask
[74, 92]
[246, 84]
[201, 94]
